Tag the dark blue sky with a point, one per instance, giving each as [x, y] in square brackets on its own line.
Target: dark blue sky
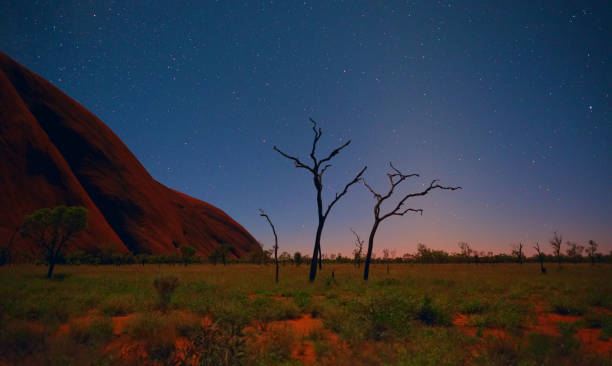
[508, 100]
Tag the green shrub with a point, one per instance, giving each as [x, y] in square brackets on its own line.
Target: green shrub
[606, 327]
[272, 347]
[98, 331]
[592, 319]
[302, 299]
[373, 317]
[430, 314]
[165, 287]
[101, 330]
[564, 305]
[118, 305]
[217, 345]
[473, 306]
[19, 339]
[144, 325]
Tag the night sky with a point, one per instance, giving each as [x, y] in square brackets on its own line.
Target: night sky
[508, 99]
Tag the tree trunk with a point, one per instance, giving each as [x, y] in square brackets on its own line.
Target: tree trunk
[276, 262]
[317, 252]
[366, 266]
[51, 266]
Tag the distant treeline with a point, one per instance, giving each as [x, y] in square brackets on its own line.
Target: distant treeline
[106, 256]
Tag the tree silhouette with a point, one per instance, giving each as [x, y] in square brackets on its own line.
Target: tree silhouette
[187, 251]
[51, 229]
[591, 250]
[540, 257]
[555, 243]
[297, 258]
[263, 214]
[220, 253]
[317, 169]
[574, 251]
[358, 251]
[395, 178]
[518, 252]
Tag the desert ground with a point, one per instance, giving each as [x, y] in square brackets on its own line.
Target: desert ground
[417, 314]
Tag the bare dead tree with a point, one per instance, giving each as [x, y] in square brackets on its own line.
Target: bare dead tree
[574, 251]
[358, 251]
[262, 213]
[395, 178]
[540, 257]
[556, 242]
[317, 169]
[591, 250]
[517, 251]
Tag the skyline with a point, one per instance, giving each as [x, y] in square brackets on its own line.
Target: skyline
[509, 102]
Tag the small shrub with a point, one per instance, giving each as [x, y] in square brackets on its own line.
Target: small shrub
[144, 325]
[565, 305]
[79, 332]
[216, 345]
[302, 299]
[499, 351]
[101, 330]
[19, 340]
[431, 314]
[388, 282]
[592, 319]
[473, 306]
[165, 287]
[272, 347]
[118, 305]
[606, 328]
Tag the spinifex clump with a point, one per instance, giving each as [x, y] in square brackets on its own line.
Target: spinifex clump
[165, 287]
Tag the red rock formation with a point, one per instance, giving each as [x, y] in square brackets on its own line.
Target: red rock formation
[54, 151]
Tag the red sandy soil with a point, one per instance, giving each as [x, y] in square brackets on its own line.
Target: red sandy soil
[461, 321]
[54, 151]
[119, 323]
[133, 352]
[589, 337]
[547, 323]
[275, 297]
[302, 327]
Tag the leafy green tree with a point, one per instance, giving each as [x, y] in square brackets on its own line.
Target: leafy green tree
[188, 252]
[220, 253]
[51, 229]
[297, 258]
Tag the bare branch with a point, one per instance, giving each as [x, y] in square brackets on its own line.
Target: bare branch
[402, 213]
[359, 241]
[399, 174]
[335, 152]
[323, 170]
[318, 132]
[432, 185]
[338, 196]
[378, 196]
[298, 163]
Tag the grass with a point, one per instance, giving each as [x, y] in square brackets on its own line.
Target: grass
[407, 313]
